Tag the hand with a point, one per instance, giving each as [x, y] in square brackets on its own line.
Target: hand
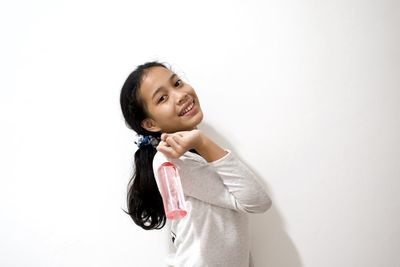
[174, 145]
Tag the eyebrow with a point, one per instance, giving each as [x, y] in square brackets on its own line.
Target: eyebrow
[161, 87]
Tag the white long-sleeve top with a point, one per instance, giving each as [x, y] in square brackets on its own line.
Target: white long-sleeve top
[218, 195]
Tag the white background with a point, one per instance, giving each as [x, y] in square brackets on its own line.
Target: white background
[306, 92]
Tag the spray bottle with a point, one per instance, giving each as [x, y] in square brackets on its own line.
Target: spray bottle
[169, 185]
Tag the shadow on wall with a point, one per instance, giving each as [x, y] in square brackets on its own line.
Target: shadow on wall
[271, 245]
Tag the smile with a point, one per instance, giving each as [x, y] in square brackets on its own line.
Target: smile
[186, 110]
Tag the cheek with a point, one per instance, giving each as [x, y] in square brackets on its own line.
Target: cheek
[166, 111]
[193, 92]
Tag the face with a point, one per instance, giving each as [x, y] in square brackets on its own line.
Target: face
[171, 103]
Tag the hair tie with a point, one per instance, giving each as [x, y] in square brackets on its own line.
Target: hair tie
[144, 140]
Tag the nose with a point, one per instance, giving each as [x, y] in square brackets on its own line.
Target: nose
[181, 97]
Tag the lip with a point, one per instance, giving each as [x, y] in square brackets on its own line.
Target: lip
[186, 106]
[191, 112]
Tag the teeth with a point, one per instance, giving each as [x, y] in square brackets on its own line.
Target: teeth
[187, 109]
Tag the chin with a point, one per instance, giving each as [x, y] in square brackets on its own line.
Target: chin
[196, 122]
[200, 117]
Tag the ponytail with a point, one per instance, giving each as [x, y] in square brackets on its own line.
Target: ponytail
[144, 201]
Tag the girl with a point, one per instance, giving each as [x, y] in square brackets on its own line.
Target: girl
[220, 190]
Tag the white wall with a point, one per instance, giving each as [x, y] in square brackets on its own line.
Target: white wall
[306, 92]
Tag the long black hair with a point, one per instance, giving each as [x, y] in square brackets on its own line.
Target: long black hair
[144, 201]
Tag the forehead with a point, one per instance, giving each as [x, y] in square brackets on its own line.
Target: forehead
[152, 79]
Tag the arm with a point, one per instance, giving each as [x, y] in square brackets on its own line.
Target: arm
[239, 180]
[224, 183]
[209, 150]
[242, 184]
[224, 180]
[174, 145]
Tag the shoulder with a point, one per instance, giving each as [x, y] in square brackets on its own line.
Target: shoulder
[188, 158]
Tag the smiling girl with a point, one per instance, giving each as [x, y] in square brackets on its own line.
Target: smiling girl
[220, 190]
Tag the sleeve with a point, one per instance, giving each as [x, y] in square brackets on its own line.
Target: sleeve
[228, 183]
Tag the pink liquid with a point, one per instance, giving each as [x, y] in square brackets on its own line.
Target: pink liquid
[171, 191]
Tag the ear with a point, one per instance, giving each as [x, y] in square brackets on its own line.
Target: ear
[150, 125]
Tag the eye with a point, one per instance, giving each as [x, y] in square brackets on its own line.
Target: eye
[178, 82]
[161, 99]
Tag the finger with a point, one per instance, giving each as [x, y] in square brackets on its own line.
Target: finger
[167, 151]
[172, 141]
[177, 138]
[163, 143]
[180, 133]
[183, 141]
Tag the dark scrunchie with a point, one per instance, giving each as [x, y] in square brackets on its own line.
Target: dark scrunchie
[144, 140]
